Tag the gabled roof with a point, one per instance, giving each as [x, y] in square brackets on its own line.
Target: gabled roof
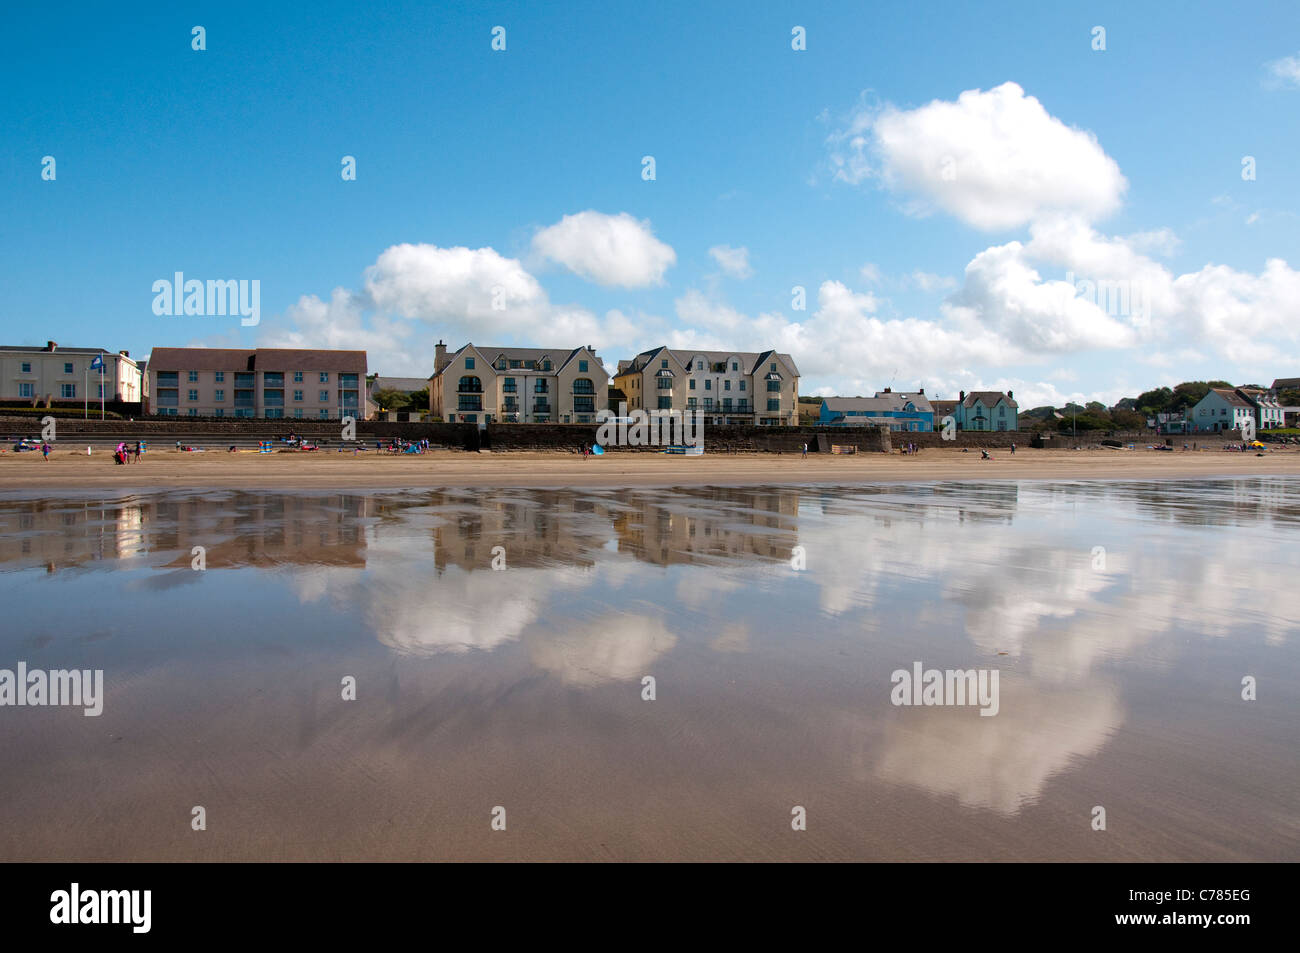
[1286, 383]
[918, 400]
[1231, 396]
[859, 405]
[750, 361]
[989, 398]
[559, 357]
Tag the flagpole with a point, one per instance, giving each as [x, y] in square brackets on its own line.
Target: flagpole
[85, 395]
[101, 387]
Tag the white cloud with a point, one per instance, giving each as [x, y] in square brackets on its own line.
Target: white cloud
[733, 261]
[457, 284]
[1285, 71]
[870, 273]
[994, 159]
[929, 283]
[612, 250]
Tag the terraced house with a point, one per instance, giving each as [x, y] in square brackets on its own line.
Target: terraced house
[262, 382]
[729, 387]
[490, 384]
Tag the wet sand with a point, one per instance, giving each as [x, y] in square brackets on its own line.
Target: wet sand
[67, 470]
[522, 688]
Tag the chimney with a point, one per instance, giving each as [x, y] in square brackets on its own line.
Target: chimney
[921, 392]
[889, 390]
[125, 353]
[961, 396]
[1011, 394]
[50, 346]
[439, 356]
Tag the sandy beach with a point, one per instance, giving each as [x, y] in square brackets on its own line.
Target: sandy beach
[67, 470]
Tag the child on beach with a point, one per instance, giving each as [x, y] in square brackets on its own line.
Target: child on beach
[45, 452]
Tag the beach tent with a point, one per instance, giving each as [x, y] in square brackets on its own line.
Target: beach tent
[597, 449]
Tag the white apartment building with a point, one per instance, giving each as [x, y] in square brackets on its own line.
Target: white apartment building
[490, 384]
[727, 387]
[62, 375]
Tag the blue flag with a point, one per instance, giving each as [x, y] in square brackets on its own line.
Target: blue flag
[98, 363]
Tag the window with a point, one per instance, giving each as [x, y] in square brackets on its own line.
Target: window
[193, 412]
[219, 412]
[27, 367]
[243, 379]
[541, 386]
[708, 385]
[297, 377]
[324, 377]
[774, 403]
[297, 412]
[68, 391]
[546, 365]
[734, 367]
[469, 363]
[583, 385]
[192, 395]
[742, 385]
[221, 377]
[275, 414]
[501, 363]
[726, 385]
[664, 363]
[469, 402]
[708, 403]
[690, 403]
[584, 405]
[297, 396]
[273, 398]
[515, 365]
[348, 381]
[25, 389]
[1002, 411]
[692, 387]
[772, 368]
[67, 368]
[773, 386]
[666, 403]
[324, 414]
[273, 379]
[582, 367]
[470, 385]
[664, 383]
[324, 397]
[508, 385]
[218, 395]
[194, 377]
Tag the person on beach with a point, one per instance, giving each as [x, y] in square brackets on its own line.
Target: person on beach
[984, 455]
[805, 451]
[1013, 449]
[45, 452]
[135, 452]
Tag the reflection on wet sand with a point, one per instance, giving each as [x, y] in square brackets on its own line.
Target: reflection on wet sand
[547, 608]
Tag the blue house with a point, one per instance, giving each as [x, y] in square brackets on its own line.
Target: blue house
[907, 411]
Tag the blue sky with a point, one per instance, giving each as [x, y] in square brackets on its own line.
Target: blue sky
[933, 232]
